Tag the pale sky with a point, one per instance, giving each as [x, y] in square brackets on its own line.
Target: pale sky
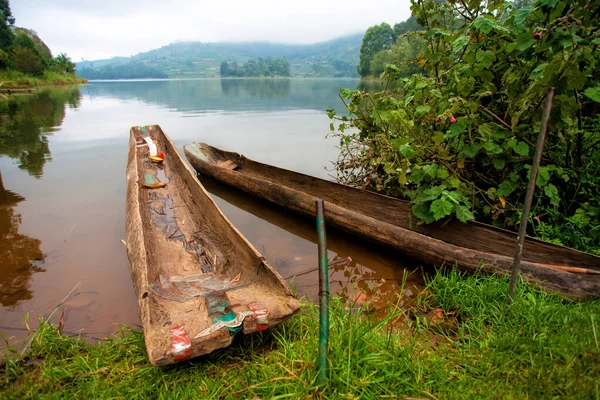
[94, 30]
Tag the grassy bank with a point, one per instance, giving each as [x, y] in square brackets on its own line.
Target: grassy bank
[461, 342]
[19, 80]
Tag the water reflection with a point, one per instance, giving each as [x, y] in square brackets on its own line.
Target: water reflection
[374, 274]
[27, 121]
[261, 88]
[246, 94]
[20, 255]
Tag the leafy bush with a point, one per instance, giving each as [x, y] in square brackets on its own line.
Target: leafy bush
[458, 140]
[25, 60]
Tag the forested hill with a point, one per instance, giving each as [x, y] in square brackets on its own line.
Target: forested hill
[334, 58]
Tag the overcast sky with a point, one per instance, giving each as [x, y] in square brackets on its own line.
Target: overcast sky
[92, 29]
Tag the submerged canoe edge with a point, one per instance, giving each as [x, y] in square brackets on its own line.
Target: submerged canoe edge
[198, 281]
[432, 245]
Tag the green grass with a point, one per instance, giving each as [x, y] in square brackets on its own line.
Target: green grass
[540, 347]
[19, 80]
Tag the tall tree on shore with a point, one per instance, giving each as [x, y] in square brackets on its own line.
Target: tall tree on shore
[409, 25]
[377, 38]
[7, 21]
[64, 63]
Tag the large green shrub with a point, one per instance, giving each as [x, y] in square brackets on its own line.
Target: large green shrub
[25, 60]
[458, 140]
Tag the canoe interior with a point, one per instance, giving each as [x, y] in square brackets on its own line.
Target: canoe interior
[475, 236]
[191, 268]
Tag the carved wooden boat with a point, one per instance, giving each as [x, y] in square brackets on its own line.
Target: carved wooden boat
[198, 281]
[383, 219]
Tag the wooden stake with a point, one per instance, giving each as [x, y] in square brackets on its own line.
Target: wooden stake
[529, 196]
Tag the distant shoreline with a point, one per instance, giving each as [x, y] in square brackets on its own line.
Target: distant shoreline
[219, 78]
[25, 82]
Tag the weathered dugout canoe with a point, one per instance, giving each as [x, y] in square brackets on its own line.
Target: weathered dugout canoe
[198, 281]
[384, 219]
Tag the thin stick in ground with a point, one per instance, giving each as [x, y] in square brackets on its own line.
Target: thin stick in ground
[529, 196]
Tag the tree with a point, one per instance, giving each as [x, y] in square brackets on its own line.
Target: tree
[64, 64]
[377, 38]
[409, 25]
[7, 21]
[26, 61]
[379, 61]
[251, 68]
[283, 67]
[224, 70]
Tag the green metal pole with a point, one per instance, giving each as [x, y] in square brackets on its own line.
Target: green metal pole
[323, 296]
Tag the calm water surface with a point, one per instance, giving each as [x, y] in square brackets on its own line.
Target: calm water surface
[62, 192]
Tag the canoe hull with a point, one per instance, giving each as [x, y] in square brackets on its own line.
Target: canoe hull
[192, 271]
[298, 192]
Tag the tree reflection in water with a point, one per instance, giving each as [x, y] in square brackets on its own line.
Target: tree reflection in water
[27, 121]
[25, 124]
[20, 255]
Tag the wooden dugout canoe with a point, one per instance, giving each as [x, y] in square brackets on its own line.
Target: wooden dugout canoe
[198, 281]
[385, 220]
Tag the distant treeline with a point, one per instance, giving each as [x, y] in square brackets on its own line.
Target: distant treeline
[125, 71]
[272, 66]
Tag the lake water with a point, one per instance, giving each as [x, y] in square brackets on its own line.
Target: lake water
[63, 154]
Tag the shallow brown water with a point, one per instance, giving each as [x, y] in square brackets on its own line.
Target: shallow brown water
[62, 193]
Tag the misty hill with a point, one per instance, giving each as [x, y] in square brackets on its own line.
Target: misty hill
[333, 58]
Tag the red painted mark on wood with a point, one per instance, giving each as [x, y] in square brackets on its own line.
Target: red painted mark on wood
[262, 316]
[181, 347]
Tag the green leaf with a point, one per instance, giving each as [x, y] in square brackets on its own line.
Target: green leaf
[593, 93]
[459, 44]
[505, 189]
[331, 127]
[484, 24]
[581, 215]
[499, 164]
[524, 42]
[521, 149]
[485, 130]
[441, 208]
[429, 194]
[454, 182]
[406, 151]
[430, 170]
[422, 212]
[538, 72]
[346, 93]
[436, 32]
[457, 128]
[521, 15]
[454, 196]
[543, 176]
[463, 213]
[492, 147]
[442, 173]
[485, 58]
[549, 3]
[471, 150]
[438, 137]
[552, 192]
[389, 168]
[424, 109]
